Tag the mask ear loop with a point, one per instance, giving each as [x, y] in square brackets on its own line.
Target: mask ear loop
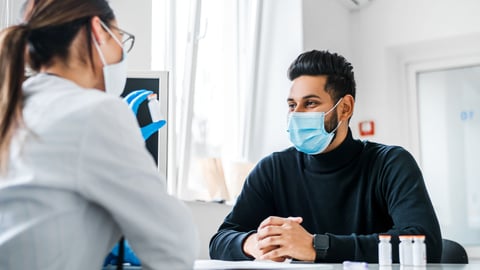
[102, 58]
[339, 123]
[336, 104]
[111, 34]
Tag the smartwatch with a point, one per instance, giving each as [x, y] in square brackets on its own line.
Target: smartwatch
[321, 243]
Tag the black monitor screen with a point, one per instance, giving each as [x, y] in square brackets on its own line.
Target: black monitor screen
[156, 143]
[143, 115]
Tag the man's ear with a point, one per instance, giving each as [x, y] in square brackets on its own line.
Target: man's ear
[98, 33]
[346, 107]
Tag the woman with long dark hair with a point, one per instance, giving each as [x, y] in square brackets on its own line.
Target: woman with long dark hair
[74, 171]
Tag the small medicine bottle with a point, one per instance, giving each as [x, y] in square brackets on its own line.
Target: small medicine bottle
[405, 250]
[384, 250]
[419, 250]
[154, 107]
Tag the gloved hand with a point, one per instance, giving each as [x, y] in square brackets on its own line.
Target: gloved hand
[129, 256]
[134, 99]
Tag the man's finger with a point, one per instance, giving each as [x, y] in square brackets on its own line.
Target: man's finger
[278, 254]
[269, 243]
[272, 221]
[269, 231]
[299, 220]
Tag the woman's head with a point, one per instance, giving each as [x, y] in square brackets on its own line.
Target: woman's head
[54, 24]
[53, 31]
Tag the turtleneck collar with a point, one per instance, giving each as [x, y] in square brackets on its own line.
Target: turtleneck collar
[335, 159]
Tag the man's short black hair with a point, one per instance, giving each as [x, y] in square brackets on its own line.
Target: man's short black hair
[340, 79]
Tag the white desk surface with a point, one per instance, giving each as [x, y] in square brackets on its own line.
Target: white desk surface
[232, 265]
[238, 265]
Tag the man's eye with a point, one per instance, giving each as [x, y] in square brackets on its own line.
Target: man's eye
[291, 106]
[310, 103]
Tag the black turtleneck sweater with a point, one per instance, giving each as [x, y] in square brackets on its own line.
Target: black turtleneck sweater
[352, 194]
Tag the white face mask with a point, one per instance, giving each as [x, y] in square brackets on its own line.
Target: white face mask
[114, 75]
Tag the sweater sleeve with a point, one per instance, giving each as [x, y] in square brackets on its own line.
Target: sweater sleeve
[253, 205]
[401, 186]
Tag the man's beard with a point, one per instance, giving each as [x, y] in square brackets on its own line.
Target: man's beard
[333, 123]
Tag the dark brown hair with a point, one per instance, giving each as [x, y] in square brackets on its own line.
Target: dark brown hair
[340, 78]
[47, 32]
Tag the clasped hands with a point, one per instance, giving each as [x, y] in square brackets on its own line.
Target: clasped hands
[278, 239]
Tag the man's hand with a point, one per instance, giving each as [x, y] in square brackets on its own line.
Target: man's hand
[280, 238]
[290, 238]
[250, 247]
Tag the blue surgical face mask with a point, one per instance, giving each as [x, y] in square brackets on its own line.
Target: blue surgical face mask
[307, 131]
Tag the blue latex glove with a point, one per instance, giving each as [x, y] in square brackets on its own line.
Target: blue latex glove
[129, 256]
[134, 99]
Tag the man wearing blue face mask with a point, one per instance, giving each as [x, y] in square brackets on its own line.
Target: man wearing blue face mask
[329, 197]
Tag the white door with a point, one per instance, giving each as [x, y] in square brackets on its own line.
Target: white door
[449, 125]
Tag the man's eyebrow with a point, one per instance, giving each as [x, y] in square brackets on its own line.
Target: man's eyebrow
[305, 97]
[311, 96]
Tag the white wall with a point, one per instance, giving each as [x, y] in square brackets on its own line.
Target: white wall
[133, 18]
[386, 28]
[326, 26]
[136, 17]
[207, 218]
[16, 15]
[371, 38]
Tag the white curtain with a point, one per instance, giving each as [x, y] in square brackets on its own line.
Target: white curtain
[216, 89]
[280, 42]
[231, 90]
[5, 13]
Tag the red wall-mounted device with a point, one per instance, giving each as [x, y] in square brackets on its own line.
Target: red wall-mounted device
[366, 128]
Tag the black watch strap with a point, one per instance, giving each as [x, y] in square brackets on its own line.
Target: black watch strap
[321, 243]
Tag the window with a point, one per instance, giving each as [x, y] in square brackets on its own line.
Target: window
[212, 59]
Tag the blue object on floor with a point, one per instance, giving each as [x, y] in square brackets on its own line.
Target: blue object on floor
[129, 256]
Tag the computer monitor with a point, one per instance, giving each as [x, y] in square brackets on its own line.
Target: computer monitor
[156, 81]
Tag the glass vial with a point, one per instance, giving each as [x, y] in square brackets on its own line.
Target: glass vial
[384, 250]
[154, 108]
[405, 250]
[419, 250]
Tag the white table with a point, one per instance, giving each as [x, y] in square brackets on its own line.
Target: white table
[221, 265]
[238, 265]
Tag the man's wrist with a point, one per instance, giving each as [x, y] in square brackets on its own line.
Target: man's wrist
[248, 244]
[321, 244]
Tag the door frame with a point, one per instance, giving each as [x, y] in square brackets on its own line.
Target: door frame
[412, 70]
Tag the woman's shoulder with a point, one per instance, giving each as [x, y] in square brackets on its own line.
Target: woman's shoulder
[60, 100]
